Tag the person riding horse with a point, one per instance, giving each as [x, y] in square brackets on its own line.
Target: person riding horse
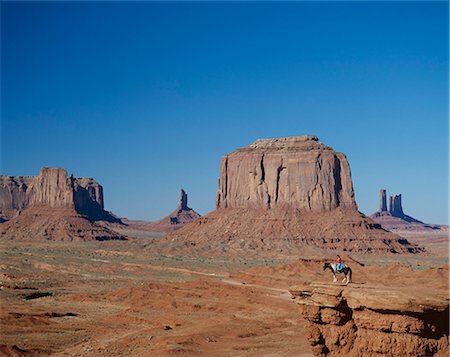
[339, 265]
[339, 268]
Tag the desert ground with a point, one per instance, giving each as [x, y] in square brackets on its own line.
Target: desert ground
[121, 298]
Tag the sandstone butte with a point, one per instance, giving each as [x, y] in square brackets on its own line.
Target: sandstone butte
[181, 216]
[277, 196]
[53, 206]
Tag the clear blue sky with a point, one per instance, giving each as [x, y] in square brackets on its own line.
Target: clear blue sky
[146, 97]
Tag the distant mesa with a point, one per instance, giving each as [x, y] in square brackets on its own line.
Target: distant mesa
[278, 196]
[52, 188]
[394, 218]
[177, 219]
[53, 206]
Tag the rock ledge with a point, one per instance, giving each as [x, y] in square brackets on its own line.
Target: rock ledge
[368, 320]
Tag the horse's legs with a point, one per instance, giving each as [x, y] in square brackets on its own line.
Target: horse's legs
[347, 278]
[334, 278]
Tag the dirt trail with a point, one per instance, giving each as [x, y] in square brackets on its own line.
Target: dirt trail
[224, 278]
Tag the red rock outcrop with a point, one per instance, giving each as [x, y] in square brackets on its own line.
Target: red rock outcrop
[278, 196]
[395, 218]
[55, 224]
[13, 194]
[52, 206]
[52, 188]
[298, 172]
[375, 320]
[177, 219]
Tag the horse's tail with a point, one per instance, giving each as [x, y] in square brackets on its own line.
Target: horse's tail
[350, 274]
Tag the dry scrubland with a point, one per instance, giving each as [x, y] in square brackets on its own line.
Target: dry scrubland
[116, 298]
[121, 298]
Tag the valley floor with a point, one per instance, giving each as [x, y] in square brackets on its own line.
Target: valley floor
[118, 298]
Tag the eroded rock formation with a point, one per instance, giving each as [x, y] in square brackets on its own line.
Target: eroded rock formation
[395, 218]
[177, 219]
[55, 224]
[52, 188]
[277, 196]
[53, 206]
[383, 206]
[374, 320]
[13, 193]
[298, 172]
[395, 206]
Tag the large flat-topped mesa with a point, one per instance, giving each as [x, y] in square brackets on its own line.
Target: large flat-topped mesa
[296, 171]
[300, 141]
[277, 197]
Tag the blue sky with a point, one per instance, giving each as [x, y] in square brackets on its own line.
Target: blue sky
[147, 96]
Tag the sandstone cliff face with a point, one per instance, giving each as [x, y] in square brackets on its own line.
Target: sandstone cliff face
[278, 196]
[374, 320]
[13, 192]
[52, 206]
[88, 199]
[297, 171]
[53, 189]
[93, 189]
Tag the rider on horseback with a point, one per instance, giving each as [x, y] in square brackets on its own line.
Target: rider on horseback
[339, 265]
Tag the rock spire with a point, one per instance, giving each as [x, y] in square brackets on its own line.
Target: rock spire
[395, 218]
[395, 206]
[383, 206]
[182, 204]
[177, 219]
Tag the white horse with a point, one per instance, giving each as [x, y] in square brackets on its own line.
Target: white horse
[345, 269]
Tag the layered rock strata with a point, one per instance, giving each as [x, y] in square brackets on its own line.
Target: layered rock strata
[298, 172]
[374, 320]
[53, 206]
[277, 196]
[283, 233]
[55, 224]
[181, 216]
[52, 188]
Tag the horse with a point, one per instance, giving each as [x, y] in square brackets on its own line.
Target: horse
[345, 269]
